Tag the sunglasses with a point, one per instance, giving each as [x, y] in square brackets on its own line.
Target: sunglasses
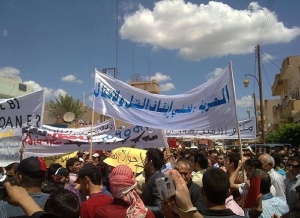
[293, 165]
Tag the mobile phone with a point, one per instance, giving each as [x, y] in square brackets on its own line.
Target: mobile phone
[166, 187]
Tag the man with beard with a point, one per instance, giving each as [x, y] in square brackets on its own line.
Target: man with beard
[150, 196]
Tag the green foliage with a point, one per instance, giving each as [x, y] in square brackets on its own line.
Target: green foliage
[288, 133]
[64, 104]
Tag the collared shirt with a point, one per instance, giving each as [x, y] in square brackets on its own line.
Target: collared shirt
[232, 205]
[290, 191]
[271, 205]
[166, 167]
[277, 182]
[219, 213]
[197, 178]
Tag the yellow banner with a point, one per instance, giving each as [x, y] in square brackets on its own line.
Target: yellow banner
[132, 157]
[61, 159]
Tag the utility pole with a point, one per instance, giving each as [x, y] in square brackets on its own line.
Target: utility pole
[262, 120]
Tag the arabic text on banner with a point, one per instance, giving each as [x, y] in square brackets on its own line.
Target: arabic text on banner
[209, 105]
[132, 157]
[9, 150]
[247, 129]
[43, 143]
[24, 110]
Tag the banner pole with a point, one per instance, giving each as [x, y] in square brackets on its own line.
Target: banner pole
[237, 122]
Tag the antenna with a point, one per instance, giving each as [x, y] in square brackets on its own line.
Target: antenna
[69, 117]
[136, 77]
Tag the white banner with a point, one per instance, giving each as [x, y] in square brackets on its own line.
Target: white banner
[9, 150]
[43, 143]
[208, 106]
[23, 110]
[247, 128]
[101, 128]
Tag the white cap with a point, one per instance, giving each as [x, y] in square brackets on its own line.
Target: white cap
[81, 159]
[95, 155]
[193, 147]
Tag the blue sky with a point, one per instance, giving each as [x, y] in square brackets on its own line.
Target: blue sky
[57, 44]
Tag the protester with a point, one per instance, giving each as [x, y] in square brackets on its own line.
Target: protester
[215, 189]
[126, 202]
[30, 175]
[213, 156]
[221, 160]
[185, 171]
[18, 197]
[150, 196]
[270, 204]
[268, 164]
[200, 166]
[291, 181]
[89, 178]
[10, 172]
[63, 204]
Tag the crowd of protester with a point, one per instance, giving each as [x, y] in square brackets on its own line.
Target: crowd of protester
[214, 183]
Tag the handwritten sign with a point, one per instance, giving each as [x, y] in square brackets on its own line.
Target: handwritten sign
[61, 159]
[23, 110]
[42, 144]
[209, 105]
[247, 129]
[132, 157]
[9, 150]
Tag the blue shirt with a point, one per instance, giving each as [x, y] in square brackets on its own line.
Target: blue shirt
[271, 205]
[290, 191]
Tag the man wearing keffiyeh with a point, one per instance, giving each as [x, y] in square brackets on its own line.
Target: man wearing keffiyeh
[126, 202]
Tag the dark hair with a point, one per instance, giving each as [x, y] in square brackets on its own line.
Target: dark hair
[95, 178]
[53, 187]
[277, 159]
[214, 151]
[9, 166]
[253, 162]
[265, 180]
[293, 213]
[157, 157]
[52, 169]
[294, 158]
[63, 204]
[216, 185]
[201, 160]
[234, 158]
[31, 182]
[70, 162]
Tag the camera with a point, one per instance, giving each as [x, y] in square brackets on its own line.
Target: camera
[166, 187]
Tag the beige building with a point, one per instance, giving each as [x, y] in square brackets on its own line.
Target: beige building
[149, 86]
[286, 86]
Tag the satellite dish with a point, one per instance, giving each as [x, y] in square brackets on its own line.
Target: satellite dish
[69, 117]
[136, 77]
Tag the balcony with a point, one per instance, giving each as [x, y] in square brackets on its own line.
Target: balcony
[277, 87]
[290, 106]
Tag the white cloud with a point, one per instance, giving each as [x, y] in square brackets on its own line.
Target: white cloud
[214, 73]
[267, 57]
[9, 71]
[71, 78]
[59, 92]
[160, 77]
[246, 101]
[4, 33]
[49, 92]
[167, 87]
[204, 31]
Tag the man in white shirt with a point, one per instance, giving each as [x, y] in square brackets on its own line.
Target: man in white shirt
[276, 179]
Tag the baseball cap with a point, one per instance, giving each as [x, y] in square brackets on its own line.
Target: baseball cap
[95, 155]
[60, 172]
[33, 167]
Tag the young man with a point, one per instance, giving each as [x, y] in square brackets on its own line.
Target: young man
[30, 175]
[89, 178]
[150, 196]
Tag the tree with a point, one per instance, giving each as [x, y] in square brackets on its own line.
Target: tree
[288, 133]
[64, 104]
